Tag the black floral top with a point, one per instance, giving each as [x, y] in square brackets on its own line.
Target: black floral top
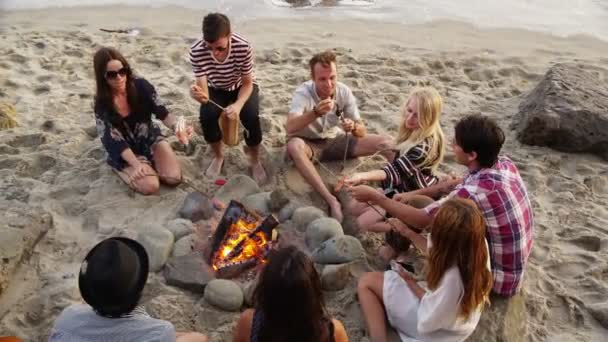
[137, 131]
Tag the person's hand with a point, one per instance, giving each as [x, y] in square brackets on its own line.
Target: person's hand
[137, 171]
[403, 197]
[359, 130]
[198, 94]
[401, 228]
[354, 179]
[348, 125]
[364, 193]
[451, 176]
[233, 111]
[324, 107]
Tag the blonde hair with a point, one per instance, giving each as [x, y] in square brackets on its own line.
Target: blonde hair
[429, 110]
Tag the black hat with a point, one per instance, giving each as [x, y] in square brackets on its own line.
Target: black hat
[113, 275]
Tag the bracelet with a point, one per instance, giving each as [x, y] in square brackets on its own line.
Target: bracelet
[314, 110]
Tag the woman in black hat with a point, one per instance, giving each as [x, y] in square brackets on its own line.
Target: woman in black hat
[111, 280]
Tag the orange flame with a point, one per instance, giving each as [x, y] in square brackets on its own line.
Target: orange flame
[251, 248]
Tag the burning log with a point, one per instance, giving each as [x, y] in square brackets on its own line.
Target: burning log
[241, 240]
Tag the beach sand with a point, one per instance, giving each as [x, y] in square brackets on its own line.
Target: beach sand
[52, 161]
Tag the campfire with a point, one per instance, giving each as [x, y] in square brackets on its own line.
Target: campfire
[242, 239]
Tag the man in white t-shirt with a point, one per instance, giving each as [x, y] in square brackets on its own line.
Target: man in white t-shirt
[322, 113]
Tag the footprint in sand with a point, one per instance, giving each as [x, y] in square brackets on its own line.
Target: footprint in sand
[42, 89]
[29, 140]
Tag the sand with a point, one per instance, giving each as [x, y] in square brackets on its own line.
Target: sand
[52, 162]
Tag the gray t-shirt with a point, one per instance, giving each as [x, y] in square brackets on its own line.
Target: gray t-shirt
[327, 126]
[79, 322]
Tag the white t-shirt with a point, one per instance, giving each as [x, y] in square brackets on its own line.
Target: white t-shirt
[327, 126]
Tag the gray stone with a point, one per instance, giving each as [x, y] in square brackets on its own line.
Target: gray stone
[339, 250]
[183, 246]
[567, 111]
[158, 243]
[505, 320]
[224, 294]
[258, 203]
[321, 230]
[335, 277]
[189, 272]
[287, 211]
[599, 311]
[304, 215]
[237, 188]
[249, 290]
[21, 228]
[196, 207]
[180, 227]
[278, 200]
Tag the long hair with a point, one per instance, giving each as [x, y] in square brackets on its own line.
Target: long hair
[429, 108]
[458, 238]
[103, 93]
[290, 299]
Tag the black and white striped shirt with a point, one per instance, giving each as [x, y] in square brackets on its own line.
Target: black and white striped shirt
[407, 173]
[226, 75]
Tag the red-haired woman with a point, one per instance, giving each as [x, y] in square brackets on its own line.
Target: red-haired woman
[459, 281]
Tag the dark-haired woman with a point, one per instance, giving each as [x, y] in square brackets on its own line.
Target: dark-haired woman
[289, 304]
[124, 104]
[448, 306]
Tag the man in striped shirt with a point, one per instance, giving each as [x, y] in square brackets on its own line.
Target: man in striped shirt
[222, 62]
[494, 184]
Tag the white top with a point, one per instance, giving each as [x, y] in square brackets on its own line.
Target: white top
[327, 126]
[435, 316]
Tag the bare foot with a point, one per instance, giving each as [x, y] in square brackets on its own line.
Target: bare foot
[335, 209]
[258, 172]
[215, 167]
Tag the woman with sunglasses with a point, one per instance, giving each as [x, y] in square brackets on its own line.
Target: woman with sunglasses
[124, 104]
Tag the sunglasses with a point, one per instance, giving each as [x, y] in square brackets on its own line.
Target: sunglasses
[113, 74]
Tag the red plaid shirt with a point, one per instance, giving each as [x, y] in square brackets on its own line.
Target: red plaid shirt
[501, 196]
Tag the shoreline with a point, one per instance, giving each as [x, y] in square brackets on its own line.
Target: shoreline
[277, 13]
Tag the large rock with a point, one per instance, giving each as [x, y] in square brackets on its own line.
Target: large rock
[196, 207]
[189, 272]
[305, 215]
[158, 243]
[504, 320]
[335, 277]
[224, 294]
[599, 311]
[321, 230]
[258, 203]
[237, 188]
[567, 111]
[21, 228]
[339, 250]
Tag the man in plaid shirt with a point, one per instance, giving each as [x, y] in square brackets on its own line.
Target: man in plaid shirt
[494, 183]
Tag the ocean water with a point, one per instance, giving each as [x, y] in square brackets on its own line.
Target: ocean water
[559, 17]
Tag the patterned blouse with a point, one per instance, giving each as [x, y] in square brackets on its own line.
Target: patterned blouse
[405, 173]
[137, 131]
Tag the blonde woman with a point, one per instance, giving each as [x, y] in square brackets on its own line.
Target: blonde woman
[420, 144]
